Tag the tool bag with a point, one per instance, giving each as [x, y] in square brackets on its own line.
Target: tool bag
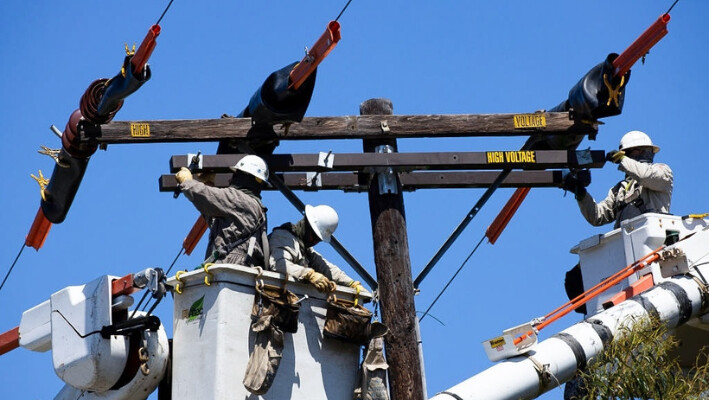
[280, 303]
[347, 321]
[373, 372]
[266, 356]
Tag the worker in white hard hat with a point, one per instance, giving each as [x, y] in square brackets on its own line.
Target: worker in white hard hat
[647, 186]
[292, 250]
[235, 215]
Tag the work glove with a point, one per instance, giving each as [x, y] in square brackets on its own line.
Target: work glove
[615, 156]
[320, 281]
[576, 182]
[356, 285]
[183, 175]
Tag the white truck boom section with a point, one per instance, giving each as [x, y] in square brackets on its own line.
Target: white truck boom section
[677, 297]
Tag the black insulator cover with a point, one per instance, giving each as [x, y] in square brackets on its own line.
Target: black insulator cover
[589, 97]
[63, 186]
[120, 87]
[588, 101]
[273, 103]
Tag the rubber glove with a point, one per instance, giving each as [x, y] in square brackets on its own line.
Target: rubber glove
[183, 175]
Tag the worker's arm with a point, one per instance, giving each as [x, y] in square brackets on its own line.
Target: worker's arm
[657, 177]
[598, 214]
[286, 255]
[214, 202]
[330, 270]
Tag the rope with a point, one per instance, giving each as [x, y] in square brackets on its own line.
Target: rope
[671, 7]
[179, 253]
[12, 266]
[163, 13]
[452, 278]
[167, 273]
[343, 9]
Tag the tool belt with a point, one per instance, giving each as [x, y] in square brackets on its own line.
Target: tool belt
[347, 321]
[265, 358]
[280, 303]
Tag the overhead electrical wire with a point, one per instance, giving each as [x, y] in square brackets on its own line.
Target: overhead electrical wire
[343, 10]
[451, 279]
[164, 12]
[12, 266]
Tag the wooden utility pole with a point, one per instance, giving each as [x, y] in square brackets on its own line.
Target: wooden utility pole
[391, 256]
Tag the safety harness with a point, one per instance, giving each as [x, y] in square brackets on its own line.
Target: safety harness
[252, 236]
[628, 209]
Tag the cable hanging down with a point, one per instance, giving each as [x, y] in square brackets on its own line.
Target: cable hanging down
[12, 266]
[452, 278]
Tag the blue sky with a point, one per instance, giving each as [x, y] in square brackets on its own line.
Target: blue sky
[464, 57]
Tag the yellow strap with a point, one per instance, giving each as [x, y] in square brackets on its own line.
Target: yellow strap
[358, 289]
[696, 216]
[208, 275]
[178, 286]
[613, 93]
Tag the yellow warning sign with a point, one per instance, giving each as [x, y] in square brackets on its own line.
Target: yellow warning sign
[500, 157]
[530, 121]
[139, 129]
[497, 342]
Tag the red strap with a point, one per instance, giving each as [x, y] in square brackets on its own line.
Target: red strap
[503, 218]
[316, 54]
[10, 340]
[140, 58]
[39, 231]
[641, 45]
[198, 229]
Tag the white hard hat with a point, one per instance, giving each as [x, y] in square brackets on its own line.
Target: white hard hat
[252, 165]
[636, 139]
[323, 219]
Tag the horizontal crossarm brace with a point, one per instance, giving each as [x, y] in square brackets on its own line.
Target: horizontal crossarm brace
[490, 160]
[344, 127]
[410, 181]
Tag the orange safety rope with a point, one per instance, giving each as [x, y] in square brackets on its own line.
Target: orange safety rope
[599, 288]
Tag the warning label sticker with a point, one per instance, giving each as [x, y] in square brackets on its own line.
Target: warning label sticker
[139, 130]
[500, 157]
[530, 121]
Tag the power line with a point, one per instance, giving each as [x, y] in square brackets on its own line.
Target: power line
[452, 278]
[12, 266]
[163, 13]
[343, 9]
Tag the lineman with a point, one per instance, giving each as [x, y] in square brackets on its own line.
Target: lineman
[235, 215]
[292, 252]
[647, 186]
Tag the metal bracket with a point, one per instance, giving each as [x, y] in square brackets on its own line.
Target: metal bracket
[384, 125]
[200, 157]
[326, 160]
[387, 178]
[583, 157]
[313, 179]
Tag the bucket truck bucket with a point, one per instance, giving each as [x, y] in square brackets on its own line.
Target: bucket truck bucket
[501, 347]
